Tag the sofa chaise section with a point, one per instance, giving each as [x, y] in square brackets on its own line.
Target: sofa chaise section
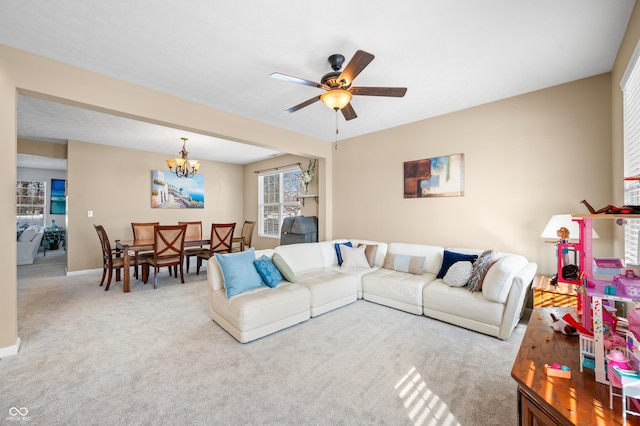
[496, 309]
[258, 312]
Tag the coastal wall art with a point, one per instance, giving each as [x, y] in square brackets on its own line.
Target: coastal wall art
[168, 191]
[58, 203]
[434, 177]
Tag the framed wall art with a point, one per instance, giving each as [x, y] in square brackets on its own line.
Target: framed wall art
[434, 177]
[168, 191]
[58, 204]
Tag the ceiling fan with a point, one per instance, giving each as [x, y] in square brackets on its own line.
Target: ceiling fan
[337, 85]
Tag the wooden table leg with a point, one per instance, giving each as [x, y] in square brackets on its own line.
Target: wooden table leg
[126, 280]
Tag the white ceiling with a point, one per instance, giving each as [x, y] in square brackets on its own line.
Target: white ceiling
[450, 54]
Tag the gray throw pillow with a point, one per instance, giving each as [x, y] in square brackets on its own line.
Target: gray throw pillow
[480, 268]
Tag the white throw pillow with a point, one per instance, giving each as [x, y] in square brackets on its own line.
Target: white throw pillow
[28, 234]
[354, 257]
[458, 274]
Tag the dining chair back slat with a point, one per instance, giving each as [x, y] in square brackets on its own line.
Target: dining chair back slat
[221, 242]
[194, 230]
[142, 231]
[168, 250]
[245, 236]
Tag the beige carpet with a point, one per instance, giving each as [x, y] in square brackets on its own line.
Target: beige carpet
[155, 357]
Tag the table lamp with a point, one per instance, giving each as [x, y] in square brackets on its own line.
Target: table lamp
[558, 221]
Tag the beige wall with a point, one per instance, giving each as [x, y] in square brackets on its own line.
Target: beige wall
[44, 149]
[40, 77]
[311, 208]
[526, 158]
[115, 183]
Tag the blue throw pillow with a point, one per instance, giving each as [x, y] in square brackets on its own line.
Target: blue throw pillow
[239, 272]
[451, 257]
[268, 271]
[348, 244]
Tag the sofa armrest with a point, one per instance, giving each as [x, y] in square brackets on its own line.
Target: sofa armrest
[517, 297]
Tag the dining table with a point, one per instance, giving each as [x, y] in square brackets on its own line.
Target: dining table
[128, 246]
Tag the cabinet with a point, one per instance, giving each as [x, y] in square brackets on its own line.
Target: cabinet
[547, 295]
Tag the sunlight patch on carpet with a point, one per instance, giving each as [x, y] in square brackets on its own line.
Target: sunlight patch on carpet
[422, 405]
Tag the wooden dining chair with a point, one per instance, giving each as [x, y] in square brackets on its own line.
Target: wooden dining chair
[194, 230]
[111, 258]
[244, 240]
[221, 241]
[142, 231]
[168, 250]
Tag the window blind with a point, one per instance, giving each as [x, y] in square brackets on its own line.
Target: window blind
[630, 85]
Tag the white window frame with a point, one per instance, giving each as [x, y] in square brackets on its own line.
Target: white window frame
[281, 204]
[630, 85]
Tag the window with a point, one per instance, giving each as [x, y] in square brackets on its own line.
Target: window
[631, 114]
[30, 202]
[278, 197]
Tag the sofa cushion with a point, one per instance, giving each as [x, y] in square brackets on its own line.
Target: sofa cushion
[268, 271]
[459, 273]
[451, 257]
[480, 268]
[404, 263]
[339, 253]
[239, 272]
[284, 268]
[400, 290]
[28, 234]
[432, 254]
[354, 257]
[497, 282]
[302, 257]
[329, 288]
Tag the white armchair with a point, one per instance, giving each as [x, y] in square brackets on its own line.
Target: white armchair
[28, 244]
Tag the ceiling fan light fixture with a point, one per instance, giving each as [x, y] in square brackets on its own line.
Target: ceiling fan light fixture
[336, 98]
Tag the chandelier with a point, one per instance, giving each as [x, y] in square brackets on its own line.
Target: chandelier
[185, 168]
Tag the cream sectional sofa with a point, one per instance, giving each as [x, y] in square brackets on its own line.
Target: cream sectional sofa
[321, 285]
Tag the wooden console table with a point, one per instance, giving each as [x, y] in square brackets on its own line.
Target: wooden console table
[552, 401]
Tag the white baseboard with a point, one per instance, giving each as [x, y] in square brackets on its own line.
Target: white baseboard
[82, 271]
[10, 350]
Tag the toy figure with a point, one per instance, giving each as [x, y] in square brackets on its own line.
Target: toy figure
[611, 209]
[559, 324]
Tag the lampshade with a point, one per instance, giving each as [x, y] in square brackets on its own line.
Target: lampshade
[558, 221]
[336, 98]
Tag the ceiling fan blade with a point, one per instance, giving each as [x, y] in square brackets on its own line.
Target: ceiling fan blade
[304, 104]
[355, 66]
[396, 92]
[297, 80]
[348, 112]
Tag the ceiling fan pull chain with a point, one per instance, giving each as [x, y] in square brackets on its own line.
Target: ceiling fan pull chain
[336, 145]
